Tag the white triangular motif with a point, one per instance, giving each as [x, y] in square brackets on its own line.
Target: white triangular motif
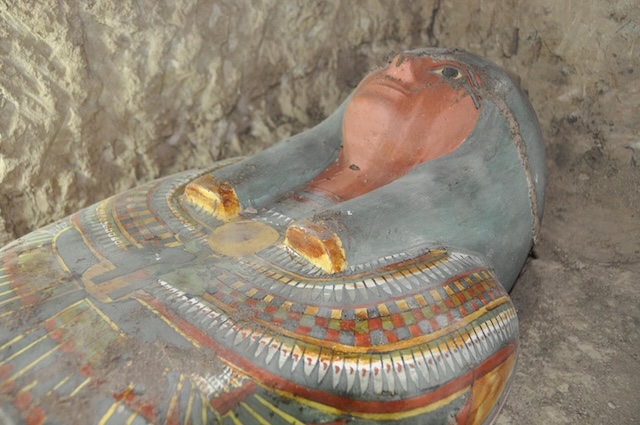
[285, 353]
[223, 324]
[338, 290]
[402, 279]
[262, 344]
[474, 350]
[296, 357]
[324, 364]
[285, 290]
[350, 370]
[310, 361]
[337, 368]
[505, 326]
[275, 285]
[364, 373]
[316, 292]
[363, 292]
[272, 349]
[376, 374]
[424, 278]
[411, 281]
[488, 337]
[431, 275]
[446, 359]
[326, 294]
[454, 355]
[462, 355]
[443, 266]
[470, 351]
[383, 285]
[498, 331]
[432, 365]
[350, 289]
[393, 284]
[209, 316]
[241, 336]
[231, 331]
[454, 263]
[437, 271]
[411, 367]
[255, 335]
[478, 341]
[421, 364]
[198, 306]
[399, 369]
[387, 371]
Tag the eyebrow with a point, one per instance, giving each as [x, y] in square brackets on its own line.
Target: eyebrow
[474, 80]
[471, 93]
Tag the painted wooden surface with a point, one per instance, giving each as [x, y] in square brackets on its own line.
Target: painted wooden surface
[187, 300]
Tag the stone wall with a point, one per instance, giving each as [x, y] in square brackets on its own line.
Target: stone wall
[97, 96]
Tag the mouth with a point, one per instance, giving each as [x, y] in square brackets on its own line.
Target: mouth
[391, 84]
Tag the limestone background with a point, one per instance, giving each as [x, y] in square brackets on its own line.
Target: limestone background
[97, 96]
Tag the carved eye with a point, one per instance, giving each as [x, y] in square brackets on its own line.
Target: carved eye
[449, 72]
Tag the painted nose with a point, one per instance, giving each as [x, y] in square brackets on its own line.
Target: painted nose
[402, 67]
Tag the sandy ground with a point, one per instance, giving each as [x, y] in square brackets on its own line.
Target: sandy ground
[578, 299]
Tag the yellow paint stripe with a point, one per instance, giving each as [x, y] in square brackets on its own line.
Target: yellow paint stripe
[26, 388]
[105, 318]
[17, 297]
[204, 403]
[79, 387]
[174, 398]
[131, 418]
[7, 313]
[168, 322]
[17, 353]
[108, 413]
[102, 260]
[187, 413]
[6, 292]
[15, 339]
[290, 419]
[63, 325]
[233, 418]
[36, 290]
[59, 384]
[392, 416]
[438, 256]
[54, 248]
[24, 370]
[255, 414]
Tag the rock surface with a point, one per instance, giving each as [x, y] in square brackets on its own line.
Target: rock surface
[98, 96]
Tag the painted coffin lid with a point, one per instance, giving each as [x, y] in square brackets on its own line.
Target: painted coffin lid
[320, 281]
